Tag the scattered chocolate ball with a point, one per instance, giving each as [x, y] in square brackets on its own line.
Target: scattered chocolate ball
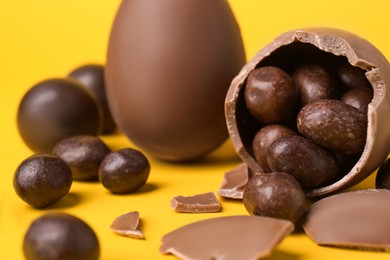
[270, 94]
[55, 109]
[309, 163]
[276, 195]
[83, 154]
[358, 98]
[383, 176]
[334, 125]
[92, 77]
[42, 179]
[264, 138]
[314, 82]
[60, 236]
[124, 171]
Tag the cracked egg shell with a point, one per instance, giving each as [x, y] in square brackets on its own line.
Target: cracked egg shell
[169, 67]
[293, 48]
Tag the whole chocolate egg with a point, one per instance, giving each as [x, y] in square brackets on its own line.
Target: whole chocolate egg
[169, 66]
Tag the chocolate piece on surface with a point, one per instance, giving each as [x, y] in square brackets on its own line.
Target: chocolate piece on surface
[228, 238]
[202, 203]
[234, 182]
[129, 225]
[357, 219]
[294, 48]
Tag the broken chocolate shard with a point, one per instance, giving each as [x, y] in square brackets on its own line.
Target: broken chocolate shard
[356, 219]
[234, 182]
[228, 238]
[201, 203]
[129, 225]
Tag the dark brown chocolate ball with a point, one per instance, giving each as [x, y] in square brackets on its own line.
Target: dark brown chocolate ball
[270, 95]
[92, 77]
[276, 195]
[55, 109]
[314, 82]
[383, 176]
[83, 154]
[308, 162]
[124, 171]
[351, 76]
[334, 125]
[60, 236]
[358, 98]
[42, 179]
[264, 138]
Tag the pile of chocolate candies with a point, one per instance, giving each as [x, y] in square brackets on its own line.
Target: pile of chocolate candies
[60, 120]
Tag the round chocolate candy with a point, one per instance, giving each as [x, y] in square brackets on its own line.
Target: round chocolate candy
[358, 98]
[270, 95]
[124, 171]
[42, 179]
[83, 154]
[55, 109]
[276, 195]
[92, 77]
[335, 49]
[60, 236]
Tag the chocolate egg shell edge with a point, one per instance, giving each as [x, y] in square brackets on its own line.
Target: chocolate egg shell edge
[358, 52]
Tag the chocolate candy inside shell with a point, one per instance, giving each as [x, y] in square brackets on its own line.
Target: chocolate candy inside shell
[330, 46]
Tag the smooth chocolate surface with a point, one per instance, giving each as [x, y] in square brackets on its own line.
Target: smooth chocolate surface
[92, 77]
[357, 219]
[201, 203]
[55, 109]
[331, 46]
[228, 238]
[168, 72]
[129, 225]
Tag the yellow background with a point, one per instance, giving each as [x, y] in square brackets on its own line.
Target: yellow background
[40, 39]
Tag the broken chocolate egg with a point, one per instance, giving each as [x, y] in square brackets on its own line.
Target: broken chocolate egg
[332, 48]
[168, 72]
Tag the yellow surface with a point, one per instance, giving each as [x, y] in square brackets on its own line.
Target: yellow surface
[40, 39]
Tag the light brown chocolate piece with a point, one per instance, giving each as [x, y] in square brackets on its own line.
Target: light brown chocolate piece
[357, 219]
[234, 182]
[202, 203]
[332, 44]
[228, 238]
[128, 225]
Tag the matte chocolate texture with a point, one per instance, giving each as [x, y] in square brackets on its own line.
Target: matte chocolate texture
[168, 72]
[357, 219]
[296, 47]
[228, 238]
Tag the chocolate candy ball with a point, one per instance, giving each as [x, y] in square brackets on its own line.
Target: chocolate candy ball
[83, 154]
[124, 171]
[264, 138]
[351, 76]
[42, 179]
[270, 94]
[276, 195]
[60, 236]
[358, 98]
[92, 77]
[55, 109]
[314, 82]
[383, 176]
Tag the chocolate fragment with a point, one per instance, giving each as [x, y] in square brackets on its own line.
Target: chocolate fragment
[234, 182]
[228, 238]
[129, 225]
[202, 203]
[357, 219]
